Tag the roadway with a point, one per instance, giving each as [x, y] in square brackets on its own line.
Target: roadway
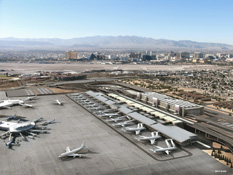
[111, 153]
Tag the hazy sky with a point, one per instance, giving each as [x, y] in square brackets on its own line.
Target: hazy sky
[198, 20]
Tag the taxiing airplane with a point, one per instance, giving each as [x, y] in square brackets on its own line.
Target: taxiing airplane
[170, 146]
[58, 102]
[73, 153]
[154, 136]
[137, 130]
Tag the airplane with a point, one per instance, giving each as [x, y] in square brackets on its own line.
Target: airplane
[117, 119]
[127, 122]
[72, 153]
[31, 98]
[11, 117]
[97, 108]
[109, 114]
[8, 103]
[154, 136]
[105, 111]
[137, 130]
[58, 102]
[167, 150]
[10, 141]
[27, 106]
[48, 122]
[14, 129]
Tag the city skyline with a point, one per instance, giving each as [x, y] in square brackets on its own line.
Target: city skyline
[208, 21]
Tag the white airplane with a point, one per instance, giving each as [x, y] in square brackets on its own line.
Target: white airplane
[72, 153]
[170, 146]
[109, 115]
[97, 108]
[48, 122]
[31, 98]
[58, 102]
[154, 136]
[137, 130]
[117, 119]
[27, 106]
[8, 103]
[127, 122]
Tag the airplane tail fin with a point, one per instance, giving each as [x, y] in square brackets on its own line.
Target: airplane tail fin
[140, 125]
[83, 144]
[173, 144]
[167, 142]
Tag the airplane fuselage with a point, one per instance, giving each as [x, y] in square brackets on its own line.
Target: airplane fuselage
[149, 137]
[71, 152]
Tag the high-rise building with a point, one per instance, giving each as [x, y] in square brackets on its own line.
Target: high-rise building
[71, 55]
[198, 55]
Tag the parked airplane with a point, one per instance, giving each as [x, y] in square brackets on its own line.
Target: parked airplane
[27, 106]
[8, 103]
[58, 102]
[31, 98]
[154, 136]
[170, 146]
[137, 130]
[109, 115]
[127, 122]
[11, 117]
[117, 118]
[72, 153]
[48, 122]
[14, 129]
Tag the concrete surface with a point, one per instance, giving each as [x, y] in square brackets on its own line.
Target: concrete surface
[110, 152]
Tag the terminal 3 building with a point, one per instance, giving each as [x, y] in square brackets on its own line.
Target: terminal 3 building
[168, 125]
[172, 105]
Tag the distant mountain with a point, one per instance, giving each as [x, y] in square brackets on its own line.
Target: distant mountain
[112, 42]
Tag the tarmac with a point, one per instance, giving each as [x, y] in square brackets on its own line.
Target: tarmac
[110, 153]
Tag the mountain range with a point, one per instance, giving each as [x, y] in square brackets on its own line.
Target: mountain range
[110, 42]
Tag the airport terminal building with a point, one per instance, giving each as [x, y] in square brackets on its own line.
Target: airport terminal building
[168, 125]
[175, 106]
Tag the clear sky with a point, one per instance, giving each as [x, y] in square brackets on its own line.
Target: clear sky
[197, 20]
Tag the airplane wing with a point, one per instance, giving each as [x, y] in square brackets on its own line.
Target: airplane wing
[27, 105]
[5, 106]
[75, 155]
[67, 149]
[157, 147]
